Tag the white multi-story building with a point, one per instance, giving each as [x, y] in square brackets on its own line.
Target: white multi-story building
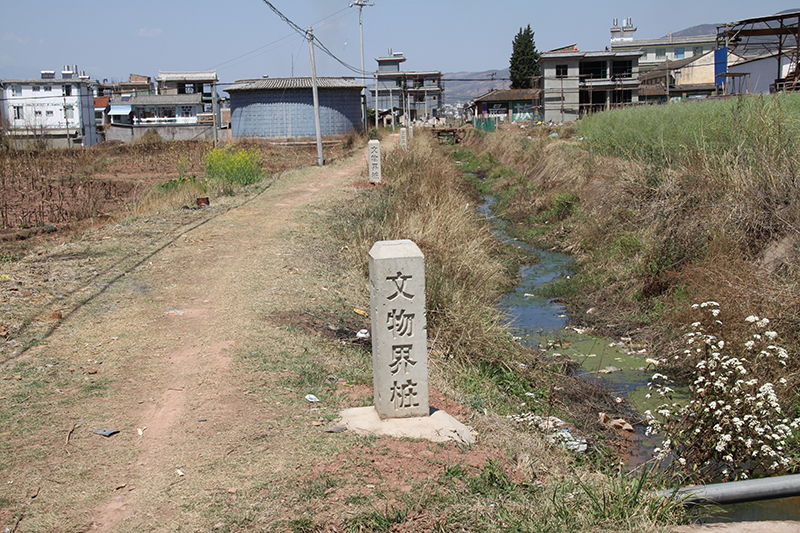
[413, 95]
[184, 108]
[58, 112]
[657, 51]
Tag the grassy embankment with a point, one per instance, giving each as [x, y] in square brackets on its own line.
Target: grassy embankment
[665, 208]
[426, 198]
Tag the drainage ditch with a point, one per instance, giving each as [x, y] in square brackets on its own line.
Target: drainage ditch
[536, 321]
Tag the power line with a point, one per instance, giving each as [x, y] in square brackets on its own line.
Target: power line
[304, 33]
[250, 52]
[291, 24]
[275, 42]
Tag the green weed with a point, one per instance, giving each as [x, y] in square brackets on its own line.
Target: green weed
[302, 525]
[230, 168]
[376, 520]
[492, 479]
[95, 388]
[316, 488]
[181, 183]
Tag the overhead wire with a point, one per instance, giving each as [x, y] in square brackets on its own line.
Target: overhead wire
[270, 47]
[305, 35]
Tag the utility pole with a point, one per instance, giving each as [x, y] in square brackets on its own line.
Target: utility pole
[317, 121]
[361, 4]
[214, 107]
[376, 101]
[66, 119]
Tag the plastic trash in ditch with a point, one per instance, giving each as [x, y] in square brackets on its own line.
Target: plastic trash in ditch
[105, 432]
[566, 440]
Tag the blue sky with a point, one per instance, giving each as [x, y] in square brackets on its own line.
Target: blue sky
[245, 39]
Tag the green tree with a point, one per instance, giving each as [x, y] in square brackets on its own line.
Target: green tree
[524, 60]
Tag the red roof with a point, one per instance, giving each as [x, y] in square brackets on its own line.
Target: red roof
[101, 103]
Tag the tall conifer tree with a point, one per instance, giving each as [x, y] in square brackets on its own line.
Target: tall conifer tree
[524, 60]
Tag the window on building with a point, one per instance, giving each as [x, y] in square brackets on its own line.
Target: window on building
[188, 88]
[697, 51]
[68, 112]
[622, 69]
[594, 69]
[16, 90]
[186, 111]
[561, 71]
[48, 88]
[36, 88]
[48, 113]
[66, 90]
[18, 112]
[661, 53]
[679, 53]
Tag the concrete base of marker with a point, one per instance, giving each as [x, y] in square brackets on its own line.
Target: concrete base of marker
[438, 427]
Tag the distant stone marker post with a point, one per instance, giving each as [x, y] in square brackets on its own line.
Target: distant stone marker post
[404, 138]
[399, 329]
[374, 149]
[411, 132]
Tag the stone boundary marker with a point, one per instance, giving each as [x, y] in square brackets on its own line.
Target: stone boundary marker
[374, 150]
[399, 329]
[404, 138]
[400, 352]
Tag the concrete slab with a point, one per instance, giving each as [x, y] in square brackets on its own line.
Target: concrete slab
[438, 427]
[743, 527]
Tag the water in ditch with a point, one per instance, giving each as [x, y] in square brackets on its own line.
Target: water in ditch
[537, 321]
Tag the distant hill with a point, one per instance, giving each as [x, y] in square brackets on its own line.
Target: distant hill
[461, 87]
[711, 29]
[696, 31]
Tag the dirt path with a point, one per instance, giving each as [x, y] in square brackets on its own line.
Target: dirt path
[158, 345]
[193, 406]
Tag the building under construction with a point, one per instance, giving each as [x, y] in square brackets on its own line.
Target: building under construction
[408, 95]
[577, 83]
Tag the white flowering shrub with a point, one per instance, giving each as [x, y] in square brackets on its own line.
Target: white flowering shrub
[734, 426]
